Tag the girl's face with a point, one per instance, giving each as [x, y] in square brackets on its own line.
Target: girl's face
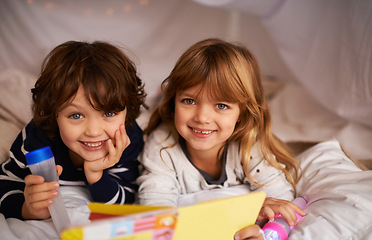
[203, 122]
[85, 131]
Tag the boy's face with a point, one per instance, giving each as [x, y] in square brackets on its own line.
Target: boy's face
[85, 131]
[203, 122]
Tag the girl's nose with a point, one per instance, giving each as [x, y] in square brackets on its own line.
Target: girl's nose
[203, 114]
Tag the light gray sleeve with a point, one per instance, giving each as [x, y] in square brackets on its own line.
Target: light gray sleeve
[158, 185]
[273, 181]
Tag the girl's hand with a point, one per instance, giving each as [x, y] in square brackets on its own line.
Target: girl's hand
[93, 169]
[270, 208]
[273, 206]
[252, 232]
[38, 196]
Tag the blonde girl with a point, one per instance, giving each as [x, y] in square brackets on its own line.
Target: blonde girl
[212, 129]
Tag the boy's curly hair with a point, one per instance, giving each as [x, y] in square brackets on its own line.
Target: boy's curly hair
[108, 77]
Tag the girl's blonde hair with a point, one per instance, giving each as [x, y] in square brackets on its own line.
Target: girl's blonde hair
[229, 72]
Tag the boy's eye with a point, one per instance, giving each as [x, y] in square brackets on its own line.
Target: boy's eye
[222, 106]
[109, 114]
[188, 101]
[75, 116]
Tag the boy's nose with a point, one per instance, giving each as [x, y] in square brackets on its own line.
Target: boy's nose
[93, 128]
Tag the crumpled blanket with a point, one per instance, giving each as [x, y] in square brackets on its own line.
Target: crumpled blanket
[76, 201]
[339, 194]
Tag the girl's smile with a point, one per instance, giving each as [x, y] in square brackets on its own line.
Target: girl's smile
[202, 133]
[204, 122]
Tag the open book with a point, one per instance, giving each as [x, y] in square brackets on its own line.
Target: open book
[211, 220]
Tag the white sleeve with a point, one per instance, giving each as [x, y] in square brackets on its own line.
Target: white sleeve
[158, 184]
[274, 182]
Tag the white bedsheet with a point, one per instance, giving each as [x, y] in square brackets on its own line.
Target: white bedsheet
[76, 200]
[339, 194]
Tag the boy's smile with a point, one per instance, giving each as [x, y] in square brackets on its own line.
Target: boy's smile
[93, 145]
[85, 130]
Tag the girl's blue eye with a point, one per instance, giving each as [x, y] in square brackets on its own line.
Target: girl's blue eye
[222, 106]
[109, 114]
[188, 101]
[75, 116]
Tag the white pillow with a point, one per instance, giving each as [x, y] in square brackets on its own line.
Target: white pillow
[15, 96]
[15, 106]
[8, 131]
[339, 194]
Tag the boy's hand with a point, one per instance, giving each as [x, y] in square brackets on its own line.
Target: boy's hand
[38, 196]
[272, 207]
[93, 169]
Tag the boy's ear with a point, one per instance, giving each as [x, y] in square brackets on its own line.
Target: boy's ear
[59, 169]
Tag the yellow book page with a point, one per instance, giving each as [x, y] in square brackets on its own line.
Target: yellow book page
[218, 219]
[125, 209]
